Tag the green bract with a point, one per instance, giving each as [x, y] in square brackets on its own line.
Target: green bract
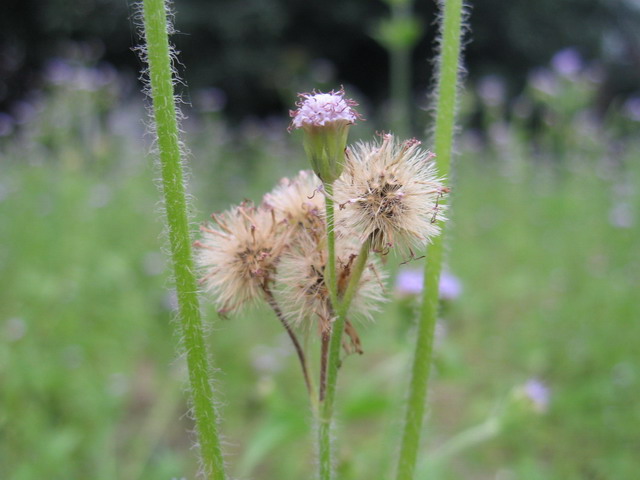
[325, 147]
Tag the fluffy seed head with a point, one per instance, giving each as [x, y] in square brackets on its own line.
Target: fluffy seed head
[237, 254]
[302, 286]
[389, 192]
[298, 201]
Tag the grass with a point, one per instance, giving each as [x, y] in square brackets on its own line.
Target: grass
[91, 388]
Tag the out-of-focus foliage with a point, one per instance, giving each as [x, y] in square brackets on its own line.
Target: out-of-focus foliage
[258, 53]
[544, 235]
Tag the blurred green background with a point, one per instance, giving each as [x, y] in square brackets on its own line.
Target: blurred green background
[537, 374]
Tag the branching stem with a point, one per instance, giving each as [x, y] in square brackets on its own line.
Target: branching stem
[294, 339]
[337, 329]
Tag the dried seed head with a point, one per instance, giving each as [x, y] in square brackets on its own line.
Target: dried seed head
[238, 254]
[302, 286]
[299, 202]
[389, 192]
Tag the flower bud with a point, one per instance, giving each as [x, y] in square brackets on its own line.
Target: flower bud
[325, 119]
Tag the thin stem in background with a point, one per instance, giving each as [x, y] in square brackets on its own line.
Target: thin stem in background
[451, 24]
[337, 329]
[464, 440]
[401, 91]
[400, 73]
[324, 358]
[165, 115]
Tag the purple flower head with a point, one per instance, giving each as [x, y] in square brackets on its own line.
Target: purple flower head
[325, 119]
[410, 282]
[538, 393]
[319, 109]
[567, 62]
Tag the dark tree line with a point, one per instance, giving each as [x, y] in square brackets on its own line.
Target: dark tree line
[260, 51]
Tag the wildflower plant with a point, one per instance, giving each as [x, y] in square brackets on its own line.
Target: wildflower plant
[316, 266]
[311, 248]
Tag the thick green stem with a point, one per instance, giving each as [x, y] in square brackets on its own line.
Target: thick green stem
[445, 121]
[337, 329]
[164, 111]
[421, 365]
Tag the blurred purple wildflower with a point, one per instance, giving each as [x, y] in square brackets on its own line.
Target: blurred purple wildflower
[153, 263]
[6, 124]
[543, 80]
[67, 73]
[450, 286]
[410, 281]
[538, 393]
[492, 90]
[621, 215]
[25, 111]
[632, 108]
[211, 99]
[270, 359]
[499, 133]
[567, 62]
[59, 71]
[14, 329]
[266, 359]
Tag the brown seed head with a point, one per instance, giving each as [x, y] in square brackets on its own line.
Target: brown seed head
[389, 192]
[238, 253]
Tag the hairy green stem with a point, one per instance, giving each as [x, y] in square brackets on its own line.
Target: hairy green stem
[337, 329]
[330, 274]
[330, 280]
[445, 121]
[158, 56]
